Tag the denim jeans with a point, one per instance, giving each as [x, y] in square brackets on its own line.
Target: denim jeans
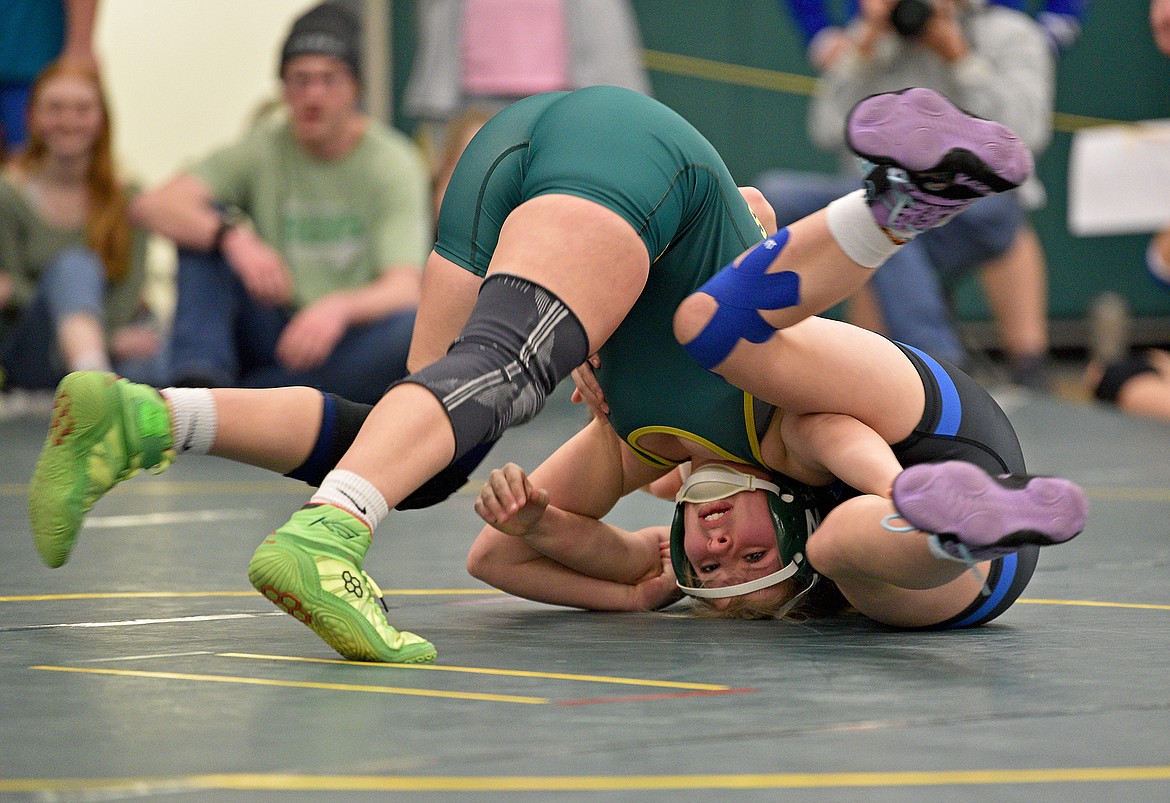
[222, 337]
[911, 286]
[74, 282]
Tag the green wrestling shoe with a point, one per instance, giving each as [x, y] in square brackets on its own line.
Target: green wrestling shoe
[312, 569]
[103, 430]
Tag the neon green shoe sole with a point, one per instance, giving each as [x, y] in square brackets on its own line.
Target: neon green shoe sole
[103, 430]
[291, 578]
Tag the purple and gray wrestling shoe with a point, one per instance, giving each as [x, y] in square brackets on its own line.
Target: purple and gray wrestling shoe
[973, 516]
[925, 160]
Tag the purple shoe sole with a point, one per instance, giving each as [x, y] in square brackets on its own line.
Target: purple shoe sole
[919, 130]
[962, 501]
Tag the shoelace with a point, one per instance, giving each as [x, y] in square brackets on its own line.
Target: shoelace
[374, 587]
[963, 551]
[377, 590]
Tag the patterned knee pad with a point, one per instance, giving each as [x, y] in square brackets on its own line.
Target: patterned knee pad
[520, 341]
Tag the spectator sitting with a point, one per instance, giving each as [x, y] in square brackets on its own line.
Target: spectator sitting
[72, 267]
[825, 39]
[993, 62]
[301, 245]
[1139, 384]
[33, 34]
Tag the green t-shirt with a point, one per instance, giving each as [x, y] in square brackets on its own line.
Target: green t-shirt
[28, 243]
[338, 224]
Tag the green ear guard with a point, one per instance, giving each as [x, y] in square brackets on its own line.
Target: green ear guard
[794, 511]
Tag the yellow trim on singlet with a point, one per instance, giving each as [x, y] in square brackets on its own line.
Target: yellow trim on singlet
[749, 420]
[658, 461]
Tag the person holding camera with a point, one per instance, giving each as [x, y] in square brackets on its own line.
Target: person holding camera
[993, 62]
[825, 38]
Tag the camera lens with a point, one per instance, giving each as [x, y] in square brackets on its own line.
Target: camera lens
[909, 17]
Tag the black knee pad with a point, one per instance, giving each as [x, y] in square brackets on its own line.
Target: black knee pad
[520, 341]
[447, 481]
[340, 421]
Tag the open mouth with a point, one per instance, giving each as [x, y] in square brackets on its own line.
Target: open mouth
[713, 511]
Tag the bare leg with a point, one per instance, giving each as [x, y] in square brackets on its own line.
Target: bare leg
[1148, 394]
[448, 295]
[1016, 286]
[585, 254]
[827, 275]
[871, 378]
[82, 342]
[864, 311]
[272, 429]
[890, 577]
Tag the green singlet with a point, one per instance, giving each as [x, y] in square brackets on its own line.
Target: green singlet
[642, 160]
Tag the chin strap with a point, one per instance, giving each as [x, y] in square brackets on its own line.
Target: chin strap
[745, 588]
[792, 602]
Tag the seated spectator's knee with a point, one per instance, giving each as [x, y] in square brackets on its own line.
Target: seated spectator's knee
[995, 222]
[76, 262]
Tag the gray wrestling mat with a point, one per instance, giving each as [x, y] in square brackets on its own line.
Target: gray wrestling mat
[148, 668]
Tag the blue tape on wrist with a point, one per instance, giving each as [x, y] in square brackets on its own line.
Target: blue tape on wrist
[742, 291]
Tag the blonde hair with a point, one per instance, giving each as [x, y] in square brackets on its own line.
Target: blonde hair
[107, 228]
[763, 604]
[823, 599]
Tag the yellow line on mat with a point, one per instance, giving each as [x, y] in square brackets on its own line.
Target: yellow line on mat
[299, 684]
[476, 670]
[1088, 603]
[584, 783]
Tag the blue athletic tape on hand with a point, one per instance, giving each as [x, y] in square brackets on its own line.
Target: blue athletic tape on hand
[741, 292]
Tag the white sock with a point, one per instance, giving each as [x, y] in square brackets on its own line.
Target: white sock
[852, 225]
[93, 361]
[193, 419]
[354, 493]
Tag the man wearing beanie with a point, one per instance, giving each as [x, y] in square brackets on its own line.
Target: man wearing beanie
[300, 245]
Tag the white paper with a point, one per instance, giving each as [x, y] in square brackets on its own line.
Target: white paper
[1119, 179]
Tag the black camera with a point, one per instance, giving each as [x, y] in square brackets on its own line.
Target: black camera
[909, 17]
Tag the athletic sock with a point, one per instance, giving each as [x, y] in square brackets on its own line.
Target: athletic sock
[352, 492]
[853, 227]
[93, 361]
[193, 419]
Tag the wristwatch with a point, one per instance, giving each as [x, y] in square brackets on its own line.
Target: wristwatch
[228, 220]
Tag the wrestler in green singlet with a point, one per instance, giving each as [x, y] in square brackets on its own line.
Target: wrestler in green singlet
[642, 160]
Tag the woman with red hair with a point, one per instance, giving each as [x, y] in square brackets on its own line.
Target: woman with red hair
[72, 266]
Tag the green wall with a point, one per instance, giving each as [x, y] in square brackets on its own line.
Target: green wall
[736, 70]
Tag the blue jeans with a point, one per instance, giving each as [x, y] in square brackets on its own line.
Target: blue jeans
[222, 337]
[911, 286]
[74, 283]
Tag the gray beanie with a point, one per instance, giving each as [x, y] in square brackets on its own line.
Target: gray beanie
[329, 30]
